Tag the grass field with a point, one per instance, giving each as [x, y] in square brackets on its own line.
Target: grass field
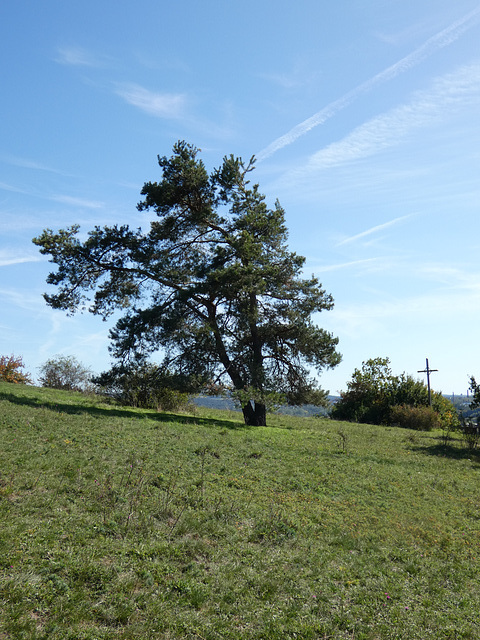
[123, 523]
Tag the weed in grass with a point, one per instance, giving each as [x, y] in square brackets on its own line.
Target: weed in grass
[6, 485]
[202, 452]
[167, 487]
[447, 432]
[273, 528]
[120, 503]
[343, 435]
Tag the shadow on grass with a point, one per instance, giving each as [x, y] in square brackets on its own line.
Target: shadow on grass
[456, 451]
[79, 409]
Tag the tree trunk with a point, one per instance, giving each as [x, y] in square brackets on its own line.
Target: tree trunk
[255, 414]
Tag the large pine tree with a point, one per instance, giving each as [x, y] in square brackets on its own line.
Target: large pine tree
[212, 283]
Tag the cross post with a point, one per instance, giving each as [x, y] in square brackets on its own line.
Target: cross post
[428, 371]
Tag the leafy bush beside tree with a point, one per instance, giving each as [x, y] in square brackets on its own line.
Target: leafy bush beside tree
[144, 385]
[419, 418]
[67, 373]
[366, 398]
[375, 396]
[11, 370]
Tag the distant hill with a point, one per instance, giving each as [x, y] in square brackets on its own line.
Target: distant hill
[225, 403]
[461, 403]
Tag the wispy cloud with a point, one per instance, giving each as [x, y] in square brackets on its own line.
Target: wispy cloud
[79, 57]
[26, 163]
[367, 262]
[26, 300]
[396, 38]
[62, 199]
[300, 75]
[453, 278]
[160, 105]
[283, 80]
[8, 187]
[19, 220]
[375, 229]
[448, 93]
[9, 257]
[438, 41]
[429, 305]
[384, 314]
[77, 202]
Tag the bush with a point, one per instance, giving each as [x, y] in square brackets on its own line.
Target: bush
[374, 394]
[171, 400]
[10, 370]
[446, 411]
[367, 398]
[471, 433]
[145, 386]
[419, 418]
[65, 372]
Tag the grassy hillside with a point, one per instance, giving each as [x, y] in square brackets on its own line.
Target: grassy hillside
[120, 523]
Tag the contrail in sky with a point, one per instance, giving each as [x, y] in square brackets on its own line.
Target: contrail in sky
[378, 227]
[436, 42]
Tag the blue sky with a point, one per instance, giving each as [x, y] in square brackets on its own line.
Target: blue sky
[365, 120]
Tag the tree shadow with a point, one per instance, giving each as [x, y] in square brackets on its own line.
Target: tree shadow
[449, 450]
[198, 421]
[107, 412]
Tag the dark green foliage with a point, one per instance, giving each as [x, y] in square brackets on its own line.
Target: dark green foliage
[367, 395]
[144, 385]
[65, 372]
[475, 389]
[212, 283]
[374, 391]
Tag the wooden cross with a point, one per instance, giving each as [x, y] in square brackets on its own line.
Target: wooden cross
[428, 371]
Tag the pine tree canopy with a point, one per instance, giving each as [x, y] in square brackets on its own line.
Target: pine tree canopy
[211, 283]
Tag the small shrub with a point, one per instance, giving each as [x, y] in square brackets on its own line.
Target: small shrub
[145, 386]
[343, 439]
[65, 372]
[470, 432]
[171, 400]
[274, 528]
[419, 418]
[446, 412]
[10, 370]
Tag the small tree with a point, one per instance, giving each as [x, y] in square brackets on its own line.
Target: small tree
[11, 370]
[367, 396]
[475, 389]
[65, 372]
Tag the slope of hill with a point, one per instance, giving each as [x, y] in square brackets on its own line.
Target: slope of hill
[123, 523]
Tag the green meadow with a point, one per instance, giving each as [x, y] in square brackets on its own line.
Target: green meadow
[127, 523]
